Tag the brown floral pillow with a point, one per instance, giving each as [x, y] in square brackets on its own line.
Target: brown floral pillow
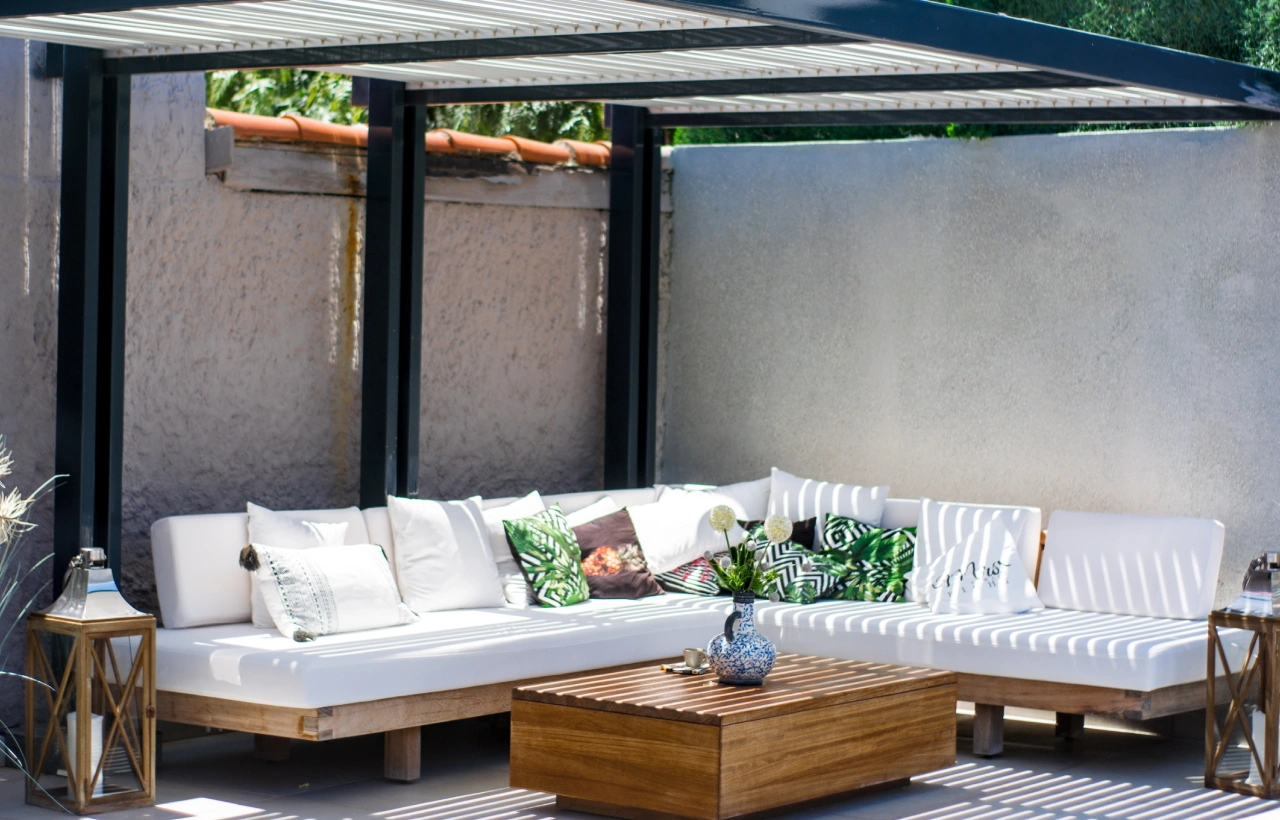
[612, 559]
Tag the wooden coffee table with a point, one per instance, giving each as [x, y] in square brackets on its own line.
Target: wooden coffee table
[644, 744]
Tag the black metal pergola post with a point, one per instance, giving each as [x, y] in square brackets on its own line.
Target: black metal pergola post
[631, 348]
[392, 323]
[89, 414]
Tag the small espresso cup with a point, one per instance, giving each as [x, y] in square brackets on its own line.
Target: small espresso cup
[695, 658]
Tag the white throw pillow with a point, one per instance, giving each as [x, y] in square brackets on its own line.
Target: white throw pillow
[945, 525]
[272, 529]
[443, 557]
[513, 584]
[983, 576]
[800, 498]
[601, 508]
[674, 530]
[749, 499]
[325, 590]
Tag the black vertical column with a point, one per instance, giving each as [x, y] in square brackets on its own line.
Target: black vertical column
[631, 342]
[410, 373]
[392, 319]
[112, 255]
[91, 308]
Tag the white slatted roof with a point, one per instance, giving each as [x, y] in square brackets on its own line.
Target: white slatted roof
[275, 24]
[710, 64]
[461, 50]
[928, 100]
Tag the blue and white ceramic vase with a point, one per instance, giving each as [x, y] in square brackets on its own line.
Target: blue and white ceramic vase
[741, 656]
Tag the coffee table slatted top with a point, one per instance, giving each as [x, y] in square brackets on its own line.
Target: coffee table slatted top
[797, 682]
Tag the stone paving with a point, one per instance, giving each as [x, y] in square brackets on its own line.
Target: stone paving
[1106, 774]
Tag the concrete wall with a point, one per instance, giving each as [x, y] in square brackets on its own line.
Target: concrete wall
[1084, 322]
[243, 342]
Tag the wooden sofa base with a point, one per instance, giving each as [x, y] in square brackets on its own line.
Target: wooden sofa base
[1070, 701]
[400, 718]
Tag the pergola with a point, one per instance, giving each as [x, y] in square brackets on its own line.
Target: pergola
[662, 63]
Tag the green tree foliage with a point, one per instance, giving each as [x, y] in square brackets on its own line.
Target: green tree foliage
[548, 121]
[320, 95]
[326, 96]
[1245, 31]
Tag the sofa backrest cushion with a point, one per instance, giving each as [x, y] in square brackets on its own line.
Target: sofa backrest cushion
[572, 502]
[1131, 564]
[901, 512]
[197, 563]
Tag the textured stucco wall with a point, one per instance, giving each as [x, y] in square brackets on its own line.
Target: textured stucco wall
[1084, 322]
[513, 350]
[243, 344]
[28, 304]
[241, 374]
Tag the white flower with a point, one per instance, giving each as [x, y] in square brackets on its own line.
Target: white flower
[775, 597]
[709, 556]
[777, 528]
[725, 561]
[722, 518]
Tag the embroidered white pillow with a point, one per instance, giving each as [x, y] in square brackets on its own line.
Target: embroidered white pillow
[800, 498]
[273, 529]
[443, 557]
[984, 575]
[326, 590]
[514, 587]
[944, 525]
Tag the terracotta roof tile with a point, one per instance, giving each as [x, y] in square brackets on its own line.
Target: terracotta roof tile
[293, 128]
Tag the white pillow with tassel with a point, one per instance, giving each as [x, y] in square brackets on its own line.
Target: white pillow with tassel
[326, 590]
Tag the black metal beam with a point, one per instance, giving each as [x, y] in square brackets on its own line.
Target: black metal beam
[409, 376]
[91, 293]
[998, 38]
[383, 251]
[832, 84]
[474, 49]
[631, 343]
[969, 116]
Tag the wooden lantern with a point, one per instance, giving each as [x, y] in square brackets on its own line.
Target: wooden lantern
[1242, 730]
[90, 727]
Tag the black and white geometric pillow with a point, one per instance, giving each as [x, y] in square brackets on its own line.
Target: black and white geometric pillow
[694, 578]
[803, 575]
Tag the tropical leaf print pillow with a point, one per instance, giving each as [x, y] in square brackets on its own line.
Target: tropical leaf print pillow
[547, 551]
[874, 561]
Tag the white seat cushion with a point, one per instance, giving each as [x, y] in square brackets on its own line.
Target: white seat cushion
[1057, 645]
[1131, 564]
[197, 563]
[443, 651]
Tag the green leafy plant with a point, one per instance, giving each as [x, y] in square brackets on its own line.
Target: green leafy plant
[14, 575]
[743, 568]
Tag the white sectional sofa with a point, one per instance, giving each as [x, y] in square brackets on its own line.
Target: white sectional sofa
[1088, 653]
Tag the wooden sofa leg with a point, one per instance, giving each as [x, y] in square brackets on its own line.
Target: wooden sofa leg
[402, 754]
[988, 730]
[274, 749]
[1069, 726]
